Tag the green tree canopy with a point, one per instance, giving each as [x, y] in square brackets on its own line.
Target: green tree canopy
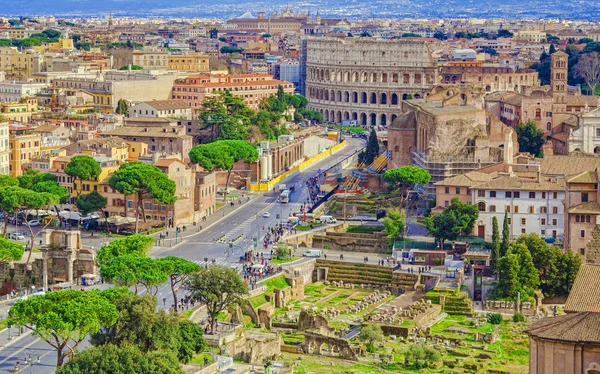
[134, 270]
[136, 244]
[133, 67]
[495, 255]
[405, 178]
[90, 203]
[10, 251]
[372, 150]
[179, 270]
[122, 107]
[223, 154]
[557, 269]
[394, 224]
[139, 324]
[530, 138]
[109, 358]
[145, 182]
[504, 244]
[64, 318]
[218, 287]
[82, 168]
[457, 218]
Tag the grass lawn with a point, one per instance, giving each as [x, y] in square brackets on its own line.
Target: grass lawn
[363, 229]
[276, 282]
[276, 261]
[199, 358]
[258, 300]
[307, 227]
[352, 129]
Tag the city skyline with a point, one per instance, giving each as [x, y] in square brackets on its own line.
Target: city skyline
[585, 10]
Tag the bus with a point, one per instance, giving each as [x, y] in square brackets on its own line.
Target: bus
[284, 198]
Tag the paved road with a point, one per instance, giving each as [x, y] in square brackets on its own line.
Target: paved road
[247, 221]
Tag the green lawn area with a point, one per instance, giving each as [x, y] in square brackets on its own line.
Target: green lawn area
[358, 229]
[258, 300]
[276, 282]
[352, 129]
[307, 227]
[199, 358]
[276, 261]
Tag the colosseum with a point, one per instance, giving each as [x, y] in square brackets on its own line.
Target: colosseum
[365, 79]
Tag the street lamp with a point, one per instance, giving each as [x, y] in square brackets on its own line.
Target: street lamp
[31, 359]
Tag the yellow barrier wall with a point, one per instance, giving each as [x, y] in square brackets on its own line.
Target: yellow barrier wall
[263, 187]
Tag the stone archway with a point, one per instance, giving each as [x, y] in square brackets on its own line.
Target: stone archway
[316, 343]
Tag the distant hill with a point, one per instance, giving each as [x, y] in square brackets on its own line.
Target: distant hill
[393, 9]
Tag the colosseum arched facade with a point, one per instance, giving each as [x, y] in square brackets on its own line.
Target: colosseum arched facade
[365, 78]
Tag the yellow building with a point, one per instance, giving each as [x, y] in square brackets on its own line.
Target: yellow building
[17, 65]
[109, 165]
[20, 112]
[61, 44]
[188, 62]
[24, 146]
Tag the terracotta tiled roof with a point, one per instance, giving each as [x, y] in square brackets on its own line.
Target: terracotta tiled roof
[165, 162]
[569, 165]
[591, 207]
[168, 104]
[585, 177]
[518, 183]
[581, 327]
[470, 179]
[585, 293]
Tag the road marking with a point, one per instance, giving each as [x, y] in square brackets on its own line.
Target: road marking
[20, 350]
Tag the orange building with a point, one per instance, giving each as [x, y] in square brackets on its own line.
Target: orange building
[194, 89]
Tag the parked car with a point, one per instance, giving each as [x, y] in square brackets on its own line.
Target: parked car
[16, 236]
[327, 219]
[266, 215]
[15, 221]
[312, 253]
[34, 222]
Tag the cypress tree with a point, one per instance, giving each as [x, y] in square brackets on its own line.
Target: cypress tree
[505, 236]
[495, 245]
[372, 150]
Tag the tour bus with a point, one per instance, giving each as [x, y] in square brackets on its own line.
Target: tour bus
[284, 198]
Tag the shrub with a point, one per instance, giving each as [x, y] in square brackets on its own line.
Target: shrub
[370, 347]
[495, 318]
[518, 317]
[437, 261]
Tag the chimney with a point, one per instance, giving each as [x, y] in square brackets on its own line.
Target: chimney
[547, 149]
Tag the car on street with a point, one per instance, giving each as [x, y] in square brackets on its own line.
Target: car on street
[312, 253]
[34, 222]
[16, 221]
[16, 236]
[266, 215]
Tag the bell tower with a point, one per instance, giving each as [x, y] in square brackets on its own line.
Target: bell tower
[558, 81]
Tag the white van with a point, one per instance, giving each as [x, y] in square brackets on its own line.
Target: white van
[327, 219]
[312, 253]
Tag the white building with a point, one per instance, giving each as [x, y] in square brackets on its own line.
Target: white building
[533, 205]
[464, 55]
[586, 138]
[162, 108]
[11, 91]
[4, 149]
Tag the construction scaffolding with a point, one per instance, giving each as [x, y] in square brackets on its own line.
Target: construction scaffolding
[356, 176]
[442, 169]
